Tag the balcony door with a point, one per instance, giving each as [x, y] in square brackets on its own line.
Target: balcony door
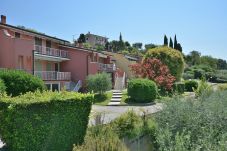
[38, 44]
[48, 46]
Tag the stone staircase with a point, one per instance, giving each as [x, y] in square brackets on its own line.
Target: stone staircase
[116, 97]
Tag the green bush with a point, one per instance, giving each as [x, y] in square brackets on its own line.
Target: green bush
[128, 125]
[188, 75]
[142, 90]
[170, 57]
[99, 83]
[20, 82]
[48, 121]
[199, 73]
[2, 86]
[222, 87]
[179, 87]
[203, 87]
[101, 138]
[190, 85]
[193, 125]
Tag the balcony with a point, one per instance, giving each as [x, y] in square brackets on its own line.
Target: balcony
[107, 67]
[53, 75]
[50, 54]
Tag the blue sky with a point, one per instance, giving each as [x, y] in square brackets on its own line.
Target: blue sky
[199, 24]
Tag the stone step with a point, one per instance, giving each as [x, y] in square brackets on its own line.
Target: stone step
[114, 103]
[116, 90]
[117, 93]
[117, 96]
[115, 100]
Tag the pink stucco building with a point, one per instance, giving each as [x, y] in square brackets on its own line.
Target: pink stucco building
[56, 61]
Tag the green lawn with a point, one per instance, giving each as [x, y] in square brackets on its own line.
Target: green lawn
[103, 99]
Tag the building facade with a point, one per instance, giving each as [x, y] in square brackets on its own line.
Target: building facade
[95, 40]
[56, 61]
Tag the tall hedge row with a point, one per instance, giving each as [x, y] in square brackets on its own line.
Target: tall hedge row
[20, 82]
[2, 86]
[48, 121]
[142, 90]
[170, 57]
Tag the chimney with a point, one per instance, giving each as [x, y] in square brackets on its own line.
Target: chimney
[3, 19]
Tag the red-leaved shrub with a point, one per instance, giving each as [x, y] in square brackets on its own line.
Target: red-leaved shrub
[155, 70]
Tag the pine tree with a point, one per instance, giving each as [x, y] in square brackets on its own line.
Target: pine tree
[175, 42]
[170, 43]
[165, 41]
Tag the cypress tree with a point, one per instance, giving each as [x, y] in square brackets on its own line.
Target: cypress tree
[175, 42]
[170, 43]
[179, 47]
[165, 41]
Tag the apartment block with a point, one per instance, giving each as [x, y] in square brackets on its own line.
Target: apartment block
[57, 62]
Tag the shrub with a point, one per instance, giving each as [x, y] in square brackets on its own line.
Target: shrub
[222, 87]
[142, 90]
[188, 75]
[128, 125]
[170, 57]
[155, 70]
[193, 125]
[101, 138]
[190, 85]
[179, 87]
[44, 121]
[99, 83]
[199, 73]
[2, 86]
[18, 82]
[203, 87]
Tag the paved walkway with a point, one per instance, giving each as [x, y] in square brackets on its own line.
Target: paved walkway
[109, 113]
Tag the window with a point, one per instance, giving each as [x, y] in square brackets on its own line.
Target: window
[17, 35]
[20, 62]
[38, 41]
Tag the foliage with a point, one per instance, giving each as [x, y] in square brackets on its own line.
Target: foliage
[179, 87]
[142, 90]
[222, 87]
[99, 83]
[190, 85]
[188, 75]
[193, 58]
[44, 121]
[209, 61]
[170, 43]
[165, 41]
[155, 70]
[20, 82]
[128, 125]
[102, 99]
[2, 86]
[137, 45]
[150, 46]
[193, 125]
[87, 45]
[170, 57]
[81, 39]
[100, 47]
[101, 139]
[221, 64]
[203, 87]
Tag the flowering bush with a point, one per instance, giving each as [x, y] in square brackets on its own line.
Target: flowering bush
[155, 70]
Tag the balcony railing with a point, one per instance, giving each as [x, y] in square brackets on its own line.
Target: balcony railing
[53, 75]
[107, 67]
[51, 51]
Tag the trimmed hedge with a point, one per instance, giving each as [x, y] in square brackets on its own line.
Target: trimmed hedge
[190, 85]
[170, 57]
[20, 82]
[48, 121]
[179, 87]
[142, 90]
[2, 86]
